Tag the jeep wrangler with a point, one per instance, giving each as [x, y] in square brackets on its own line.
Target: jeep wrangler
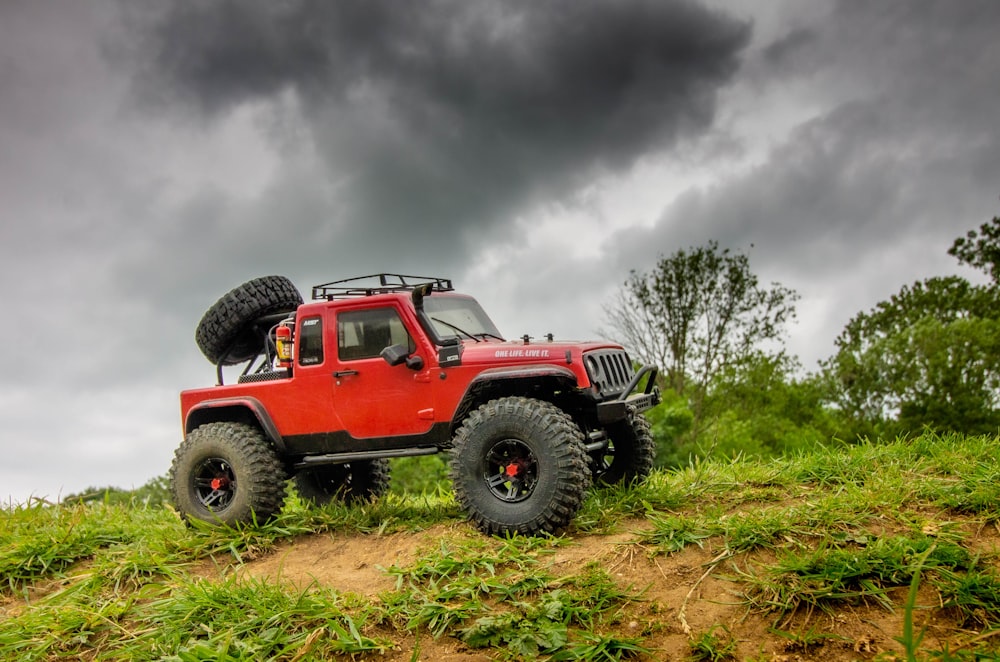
[389, 366]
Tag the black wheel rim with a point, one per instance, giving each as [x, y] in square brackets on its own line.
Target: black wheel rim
[215, 483]
[511, 471]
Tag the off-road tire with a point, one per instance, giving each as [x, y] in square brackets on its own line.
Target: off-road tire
[630, 456]
[544, 451]
[227, 473]
[365, 480]
[227, 332]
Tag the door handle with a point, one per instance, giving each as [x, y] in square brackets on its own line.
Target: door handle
[345, 373]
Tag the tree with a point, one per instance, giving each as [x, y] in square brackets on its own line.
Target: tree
[980, 249]
[929, 356]
[761, 409]
[697, 313]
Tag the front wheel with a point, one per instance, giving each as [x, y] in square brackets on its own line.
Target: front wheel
[630, 453]
[227, 473]
[519, 465]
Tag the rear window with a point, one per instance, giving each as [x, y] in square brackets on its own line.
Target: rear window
[310, 341]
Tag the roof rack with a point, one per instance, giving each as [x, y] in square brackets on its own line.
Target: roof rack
[366, 286]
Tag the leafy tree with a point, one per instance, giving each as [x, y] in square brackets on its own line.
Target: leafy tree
[980, 249]
[697, 313]
[759, 408]
[671, 422]
[929, 356]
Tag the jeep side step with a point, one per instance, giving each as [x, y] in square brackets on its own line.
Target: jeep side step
[355, 456]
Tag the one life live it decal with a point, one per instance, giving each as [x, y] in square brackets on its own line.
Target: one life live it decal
[521, 354]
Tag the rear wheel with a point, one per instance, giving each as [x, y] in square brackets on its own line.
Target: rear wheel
[630, 453]
[519, 466]
[227, 473]
[227, 332]
[364, 480]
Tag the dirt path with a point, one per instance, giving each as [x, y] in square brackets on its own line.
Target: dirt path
[686, 595]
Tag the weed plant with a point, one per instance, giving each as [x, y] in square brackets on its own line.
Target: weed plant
[712, 646]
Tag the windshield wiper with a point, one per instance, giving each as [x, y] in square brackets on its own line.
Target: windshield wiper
[457, 328]
[489, 335]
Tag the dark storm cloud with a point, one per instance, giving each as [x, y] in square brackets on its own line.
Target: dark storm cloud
[908, 152]
[901, 156]
[437, 116]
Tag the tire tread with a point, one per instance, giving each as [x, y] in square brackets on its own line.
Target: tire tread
[570, 458]
[265, 494]
[223, 326]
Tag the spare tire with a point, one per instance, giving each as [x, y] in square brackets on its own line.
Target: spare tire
[228, 332]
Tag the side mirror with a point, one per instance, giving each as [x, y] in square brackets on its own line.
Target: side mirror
[396, 354]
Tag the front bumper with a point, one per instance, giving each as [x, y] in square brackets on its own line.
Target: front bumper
[618, 409]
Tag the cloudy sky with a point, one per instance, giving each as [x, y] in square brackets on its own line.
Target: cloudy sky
[155, 155]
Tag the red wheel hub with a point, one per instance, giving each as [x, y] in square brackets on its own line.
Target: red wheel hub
[219, 483]
[510, 470]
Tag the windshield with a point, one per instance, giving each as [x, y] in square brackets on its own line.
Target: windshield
[461, 316]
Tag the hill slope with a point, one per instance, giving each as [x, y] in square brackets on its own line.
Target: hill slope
[842, 554]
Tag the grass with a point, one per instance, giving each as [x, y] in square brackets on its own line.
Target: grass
[853, 573]
[864, 525]
[497, 593]
[712, 646]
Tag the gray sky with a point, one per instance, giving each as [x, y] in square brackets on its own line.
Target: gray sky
[155, 155]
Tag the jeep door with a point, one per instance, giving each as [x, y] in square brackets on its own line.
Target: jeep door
[372, 398]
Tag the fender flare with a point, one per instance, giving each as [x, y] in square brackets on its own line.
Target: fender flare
[511, 374]
[525, 372]
[241, 410]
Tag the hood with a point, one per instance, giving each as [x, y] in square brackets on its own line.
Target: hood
[495, 352]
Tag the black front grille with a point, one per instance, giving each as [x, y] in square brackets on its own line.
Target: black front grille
[609, 369]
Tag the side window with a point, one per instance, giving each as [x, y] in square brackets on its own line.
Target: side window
[363, 334]
[310, 341]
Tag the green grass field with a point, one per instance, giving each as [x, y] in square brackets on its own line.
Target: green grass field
[873, 551]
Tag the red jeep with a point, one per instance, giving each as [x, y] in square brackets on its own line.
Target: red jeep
[388, 366]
